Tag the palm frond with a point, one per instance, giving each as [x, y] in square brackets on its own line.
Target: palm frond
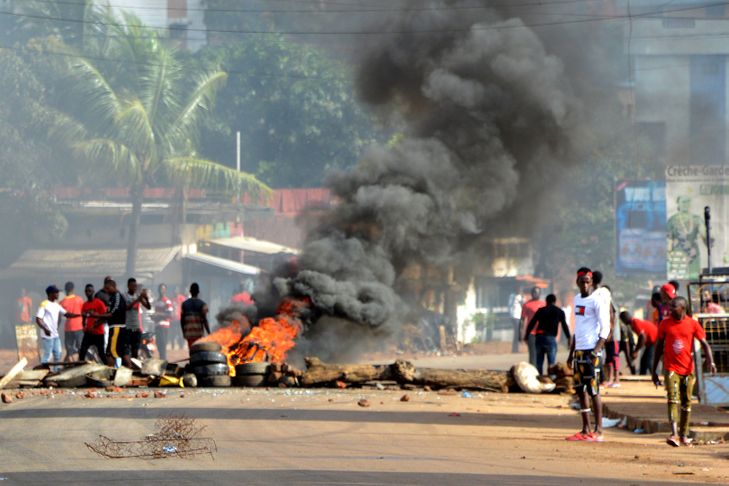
[102, 102]
[205, 174]
[160, 83]
[136, 129]
[200, 100]
[112, 154]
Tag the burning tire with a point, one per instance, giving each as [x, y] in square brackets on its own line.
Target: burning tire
[207, 357]
[214, 381]
[257, 368]
[207, 346]
[249, 380]
[215, 369]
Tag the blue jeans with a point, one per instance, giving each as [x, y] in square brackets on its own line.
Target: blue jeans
[546, 345]
[50, 347]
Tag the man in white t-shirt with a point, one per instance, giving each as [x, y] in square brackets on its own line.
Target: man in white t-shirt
[592, 327]
[47, 318]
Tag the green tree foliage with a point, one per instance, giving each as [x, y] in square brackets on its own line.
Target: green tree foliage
[580, 224]
[294, 107]
[140, 120]
[26, 159]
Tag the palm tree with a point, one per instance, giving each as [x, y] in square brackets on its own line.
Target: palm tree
[141, 119]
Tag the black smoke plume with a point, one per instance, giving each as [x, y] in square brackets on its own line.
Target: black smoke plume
[488, 115]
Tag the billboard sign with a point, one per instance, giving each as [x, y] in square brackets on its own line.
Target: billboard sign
[690, 188]
[640, 219]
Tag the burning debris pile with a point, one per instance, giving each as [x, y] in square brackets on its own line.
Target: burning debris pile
[268, 341]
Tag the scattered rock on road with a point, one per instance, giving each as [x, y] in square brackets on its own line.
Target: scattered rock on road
[7, 398]
[364, 403]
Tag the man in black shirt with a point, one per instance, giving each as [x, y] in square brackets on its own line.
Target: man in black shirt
[549, 318]
[118, 345]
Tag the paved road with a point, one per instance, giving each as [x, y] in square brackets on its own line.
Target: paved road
[324, 437]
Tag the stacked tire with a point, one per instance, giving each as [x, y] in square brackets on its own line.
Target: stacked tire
[251, 374]
[209, 365]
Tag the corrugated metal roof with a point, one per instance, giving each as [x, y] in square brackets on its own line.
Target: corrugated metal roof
[246, 243]
[65, 264]
[223, 263]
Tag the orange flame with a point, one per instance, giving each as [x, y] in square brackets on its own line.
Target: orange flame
[270, 340]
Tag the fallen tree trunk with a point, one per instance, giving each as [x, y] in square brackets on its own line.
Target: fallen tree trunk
[496, 381]
[404, 372]
[318, 373]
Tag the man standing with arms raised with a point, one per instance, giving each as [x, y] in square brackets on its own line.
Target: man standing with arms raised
[592, 326]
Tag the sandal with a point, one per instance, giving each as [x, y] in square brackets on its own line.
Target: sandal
[673, 441]
[687, 442]
[577, 437]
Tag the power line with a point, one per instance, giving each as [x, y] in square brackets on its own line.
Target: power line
[384, 32]
[153, 64]
[316, 10]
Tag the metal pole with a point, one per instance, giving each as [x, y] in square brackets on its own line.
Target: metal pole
[237, 158]
[707, 222]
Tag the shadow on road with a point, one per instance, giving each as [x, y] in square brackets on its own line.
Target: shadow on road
[414, 417]
[304, 477]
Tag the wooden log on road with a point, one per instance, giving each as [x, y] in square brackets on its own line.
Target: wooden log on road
[405, 373]
[496, 381]
[318, 373]
[14, 371]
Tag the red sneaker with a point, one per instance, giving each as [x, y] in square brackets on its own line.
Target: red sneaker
[594, 437]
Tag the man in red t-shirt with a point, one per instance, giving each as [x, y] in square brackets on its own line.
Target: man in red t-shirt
[25, 306]
[676, 336]
[93, 327]
[74, 329]
[647, 335]
[242, 297]
[527, 312]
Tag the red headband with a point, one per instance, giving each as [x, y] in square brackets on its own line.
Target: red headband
[580, 274]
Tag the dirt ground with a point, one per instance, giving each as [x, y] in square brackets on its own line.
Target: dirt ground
[295, 436]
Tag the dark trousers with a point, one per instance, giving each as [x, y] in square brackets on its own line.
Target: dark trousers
[517, 336]
[96, 340]
[545, 345]
[161, 335]
[646, 360]
[135, 341]
[532, 345]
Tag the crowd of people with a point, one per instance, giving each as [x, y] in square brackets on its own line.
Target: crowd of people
[111, 324]
[601, 333]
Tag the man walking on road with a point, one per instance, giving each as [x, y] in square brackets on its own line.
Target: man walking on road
[676, 336]
[547, 320]
[592, 326]
[527, 312]
[194, 317]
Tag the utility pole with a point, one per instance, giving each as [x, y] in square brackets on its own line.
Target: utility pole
[707, 222]
[237, 160]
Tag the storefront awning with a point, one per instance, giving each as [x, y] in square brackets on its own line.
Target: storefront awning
[59, 265]
[246, 243]
[223, 263]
